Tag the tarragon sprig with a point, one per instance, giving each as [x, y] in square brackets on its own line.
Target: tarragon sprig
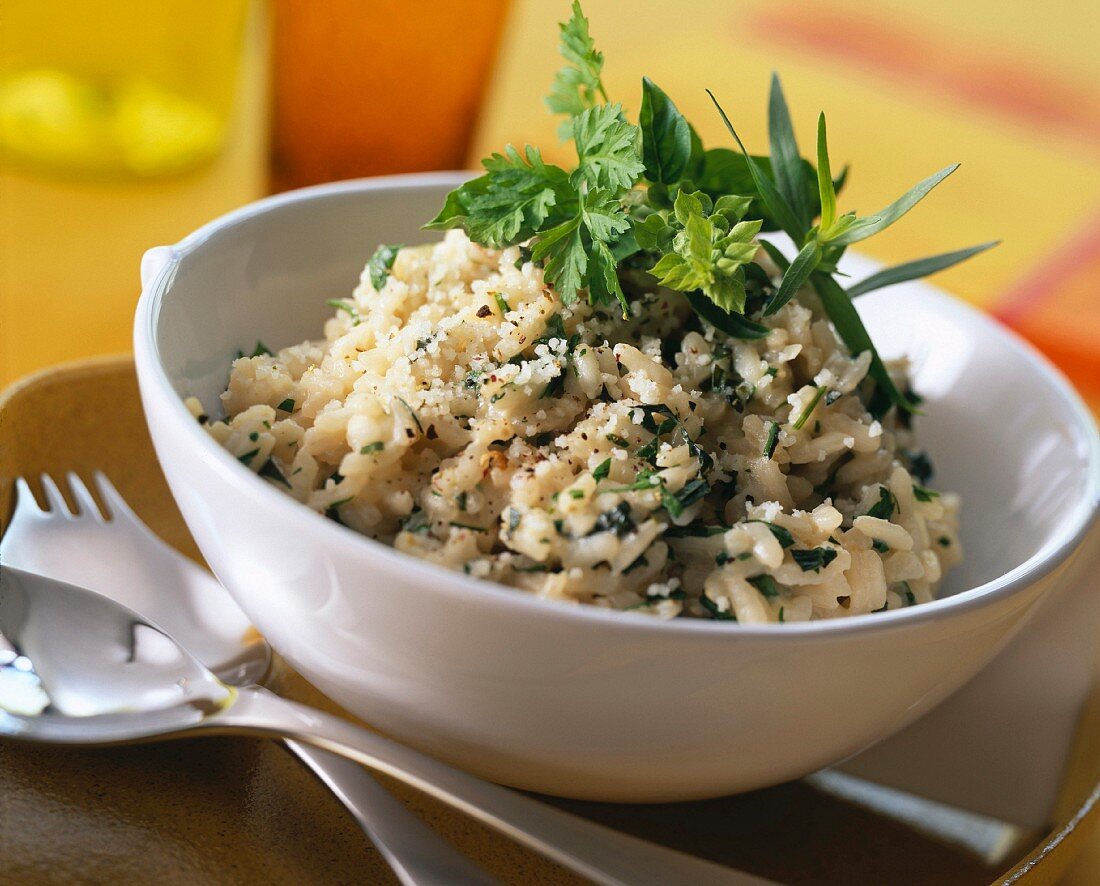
[650, 198]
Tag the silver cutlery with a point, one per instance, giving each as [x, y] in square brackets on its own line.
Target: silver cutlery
[114, 553]
[81, 669]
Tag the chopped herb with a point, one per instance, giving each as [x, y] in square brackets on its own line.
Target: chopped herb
[341, 304]
[781, 613]
[617, 440]
[376, 446]
[832, 397]
[922, 494]
[710, 606]
[261, 350]
[469, 526]
[695, 530]
[473, 379]
[555, 328]
[920, 466]
[766, 585]
[460, 501]
[772, 371]
[246, 459]
[415, 417]
[944, 541]
[810, 407]
[721, 558]
[637, 564]
[417, 522]
[885, 506]
[772, 439]
[273, 473]
[616, 520]
[910, 597]
[814, 559]
[602, 470]
[691, 492]
[333, 513]
[287, 405]
[537, 567]
[880, 546]
[502, 393]
[576, 493]
[649, 451]
[381, 263]
[502, 303]
[782, 535]
[554, 388]
[254, 436]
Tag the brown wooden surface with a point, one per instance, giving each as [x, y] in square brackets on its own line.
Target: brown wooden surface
[242, 811]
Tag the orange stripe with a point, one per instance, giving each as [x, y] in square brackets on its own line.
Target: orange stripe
[999, 82]
[1077, 252]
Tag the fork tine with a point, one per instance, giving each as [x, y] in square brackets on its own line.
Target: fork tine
[24, 498]
[111, 497]
[54, 499]
[89, 507]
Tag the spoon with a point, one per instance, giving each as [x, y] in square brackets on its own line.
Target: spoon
[78, 668]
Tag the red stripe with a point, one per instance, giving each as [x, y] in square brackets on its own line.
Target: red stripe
[998, 81]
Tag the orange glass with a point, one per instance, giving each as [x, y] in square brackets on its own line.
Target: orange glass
[368, 88]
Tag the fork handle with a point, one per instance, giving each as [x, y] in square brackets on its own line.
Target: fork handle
[418, 856]
[599, 853]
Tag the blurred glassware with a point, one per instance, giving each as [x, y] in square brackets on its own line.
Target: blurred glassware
[122, 125]
[380, 87]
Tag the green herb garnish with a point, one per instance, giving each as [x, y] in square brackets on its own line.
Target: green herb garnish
[782, 535]
[380, 264]
[273, 473]
[771, 440]
[344, 305]
[469, 526]
[602, 470]
[813, 559]
[766, 585]
[810, 407]
[261, 350]
[617, 440]
[884, 508]
[376, 446]
[650, 198]
[246, 459]
[710, 606]
[412, 412]
[922, 494]
[287, 405]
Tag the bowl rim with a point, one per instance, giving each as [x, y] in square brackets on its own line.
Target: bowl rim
[154, 378]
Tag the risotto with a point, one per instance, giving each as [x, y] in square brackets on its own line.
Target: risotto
[459, 411]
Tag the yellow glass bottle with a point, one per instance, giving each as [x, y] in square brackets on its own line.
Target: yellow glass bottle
[122, 125]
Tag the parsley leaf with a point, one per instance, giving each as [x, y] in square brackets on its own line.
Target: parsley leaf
[577, 86]
[607, 148]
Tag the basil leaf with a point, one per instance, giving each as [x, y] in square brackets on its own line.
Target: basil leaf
[795, 276]
[734, 325]
[913, 270]
[786, 160]
[866, 227]
[666, 137]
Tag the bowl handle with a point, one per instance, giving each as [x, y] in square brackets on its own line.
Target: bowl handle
[153, 262]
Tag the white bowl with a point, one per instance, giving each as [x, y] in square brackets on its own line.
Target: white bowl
[574, 700]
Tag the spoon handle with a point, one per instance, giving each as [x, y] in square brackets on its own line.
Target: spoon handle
[418, 856]
[599, 853]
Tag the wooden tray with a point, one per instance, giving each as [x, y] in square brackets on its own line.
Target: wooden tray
[229, 810]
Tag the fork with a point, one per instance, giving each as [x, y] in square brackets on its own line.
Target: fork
[95, 548]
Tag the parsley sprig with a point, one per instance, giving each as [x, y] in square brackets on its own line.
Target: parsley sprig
[650, 198]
